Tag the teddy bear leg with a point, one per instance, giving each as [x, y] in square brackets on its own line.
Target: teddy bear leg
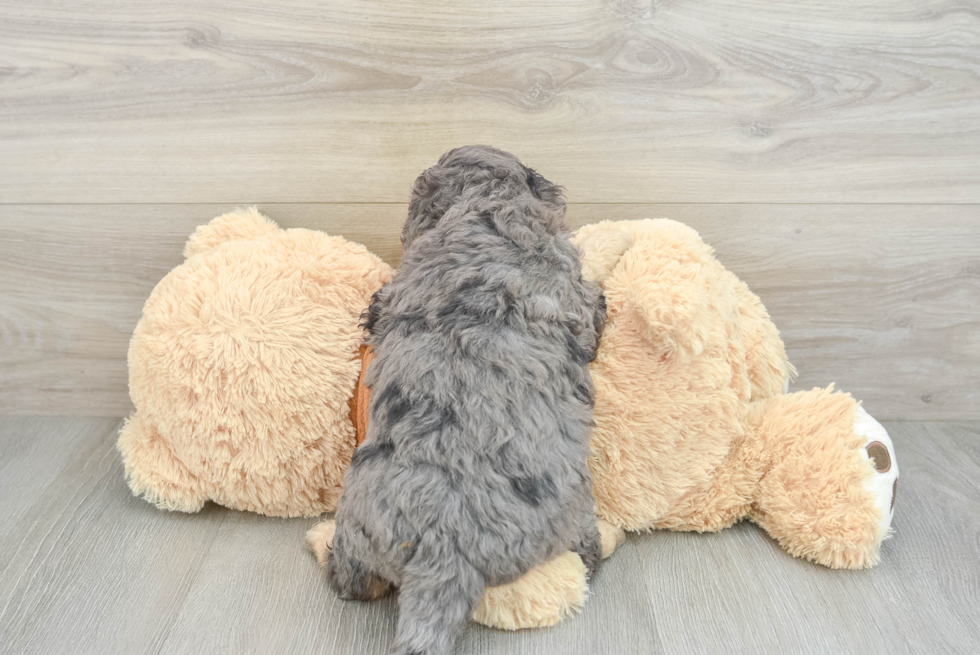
[153, 472]
[826, 494]
[612, 537]
[541, 597]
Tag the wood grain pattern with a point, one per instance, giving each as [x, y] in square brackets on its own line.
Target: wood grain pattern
[90, 569]
[724, 581]
[73, 280]
[884, 300]
[281, 603]
[619, 100]
[87, 568]
[940, 495]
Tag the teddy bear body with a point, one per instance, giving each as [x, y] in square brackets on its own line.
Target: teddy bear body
[244, 372]
[693, 428]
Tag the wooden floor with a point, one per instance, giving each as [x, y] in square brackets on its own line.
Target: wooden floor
[88, 568]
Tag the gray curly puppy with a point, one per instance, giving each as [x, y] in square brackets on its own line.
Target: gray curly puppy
[474, 468]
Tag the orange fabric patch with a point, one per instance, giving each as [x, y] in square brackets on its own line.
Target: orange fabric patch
[361, 397]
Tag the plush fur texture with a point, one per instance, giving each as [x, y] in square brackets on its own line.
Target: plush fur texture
[541, 597]
[474, 467]
[241, 370]
[690, 368]
[693, 431]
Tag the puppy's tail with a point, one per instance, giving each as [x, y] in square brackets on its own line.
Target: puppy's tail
[439, 591]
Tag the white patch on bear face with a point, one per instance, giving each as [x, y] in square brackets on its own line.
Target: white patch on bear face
[882, 484]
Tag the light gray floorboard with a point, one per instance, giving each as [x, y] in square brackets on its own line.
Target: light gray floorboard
[87, 568]
[936, 584]
[33, 453]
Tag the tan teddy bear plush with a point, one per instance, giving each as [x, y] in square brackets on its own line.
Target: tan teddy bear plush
[243, 368]
[245, 374]
[694, 430]
[247, 369]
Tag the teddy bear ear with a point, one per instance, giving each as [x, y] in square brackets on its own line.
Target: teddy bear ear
[239, 225]
[601, 246]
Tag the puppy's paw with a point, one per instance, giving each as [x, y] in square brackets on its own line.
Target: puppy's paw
[320, 539]
[612, 537]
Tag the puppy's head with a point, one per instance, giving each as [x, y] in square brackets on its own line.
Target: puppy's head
[482, 169]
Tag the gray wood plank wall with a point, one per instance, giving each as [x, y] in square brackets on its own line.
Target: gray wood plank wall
[621, 100]
[829, 150]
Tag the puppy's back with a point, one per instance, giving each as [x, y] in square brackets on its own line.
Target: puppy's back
[474, 468]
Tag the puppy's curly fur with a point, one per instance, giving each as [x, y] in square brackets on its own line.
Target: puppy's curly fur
[474, 466]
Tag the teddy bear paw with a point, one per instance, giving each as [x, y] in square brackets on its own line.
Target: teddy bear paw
[879, 452]
[612, 537]
[319, 540]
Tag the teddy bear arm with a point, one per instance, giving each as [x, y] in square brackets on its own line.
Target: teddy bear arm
[658, 272]
[723, 499]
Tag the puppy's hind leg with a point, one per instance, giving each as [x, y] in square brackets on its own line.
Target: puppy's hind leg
[349, 576]
[439, 591]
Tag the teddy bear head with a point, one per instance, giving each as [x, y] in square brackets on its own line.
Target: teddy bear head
[243, 367]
